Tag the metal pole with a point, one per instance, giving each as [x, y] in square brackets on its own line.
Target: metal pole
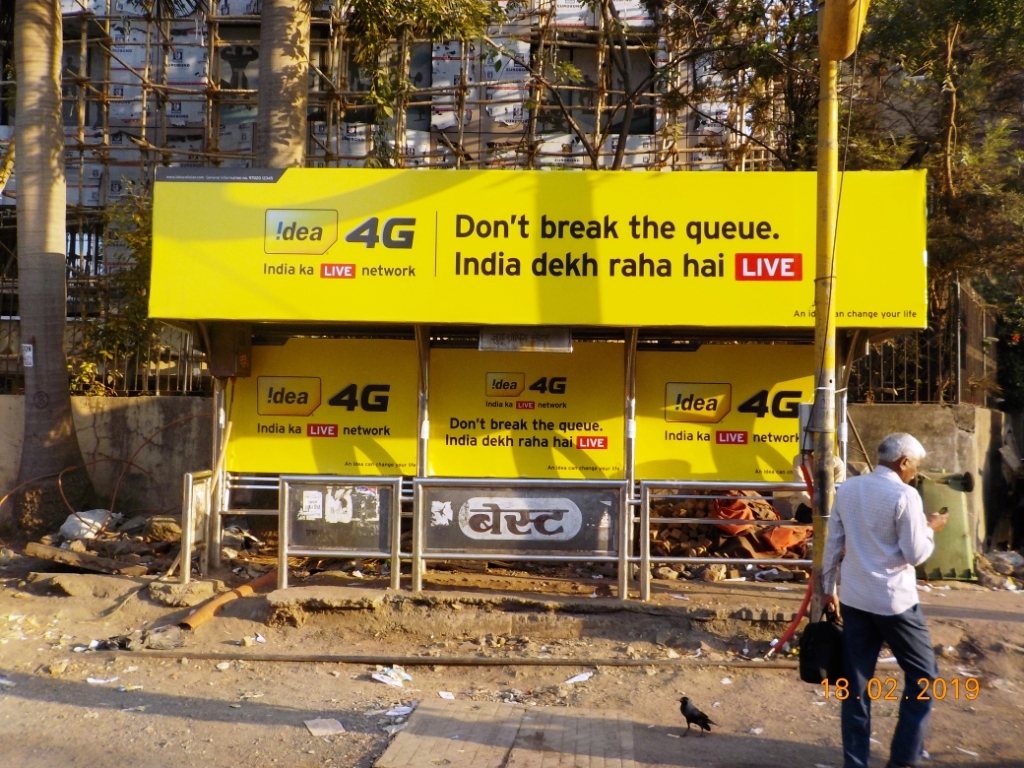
[187, 529]
[448, 661]
[626, 513]
[282, 534]
[396, 535]
[959, 369]
[213, 537]
[417, 540]
[418, 566]
[423, 385]
[645, 542]
[823, 423]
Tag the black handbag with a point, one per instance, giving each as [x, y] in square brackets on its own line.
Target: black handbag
[821, 650]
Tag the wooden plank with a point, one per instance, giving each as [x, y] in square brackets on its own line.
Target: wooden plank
[84, 560]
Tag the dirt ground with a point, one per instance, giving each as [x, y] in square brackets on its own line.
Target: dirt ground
[63, 707]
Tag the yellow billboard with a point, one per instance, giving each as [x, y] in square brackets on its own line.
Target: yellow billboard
[326, 406]
[532, 248]
[722, 412]
[528, 414]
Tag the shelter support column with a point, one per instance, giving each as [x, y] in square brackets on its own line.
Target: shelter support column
[626, 532]
[418, 566]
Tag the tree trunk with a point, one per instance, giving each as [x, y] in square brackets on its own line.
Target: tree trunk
[50, 444]
[284, 84]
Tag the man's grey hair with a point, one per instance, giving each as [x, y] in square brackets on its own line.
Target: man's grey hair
[894, 447]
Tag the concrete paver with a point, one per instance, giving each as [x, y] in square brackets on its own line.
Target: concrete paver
[496, 735]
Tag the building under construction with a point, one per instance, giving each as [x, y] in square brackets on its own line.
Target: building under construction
[554, 84]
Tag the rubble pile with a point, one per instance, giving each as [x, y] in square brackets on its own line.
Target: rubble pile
[99, 541]
[1001, 570]
[742, 538]
[683, 540]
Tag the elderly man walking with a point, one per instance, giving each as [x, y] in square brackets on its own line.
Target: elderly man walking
[877, 535]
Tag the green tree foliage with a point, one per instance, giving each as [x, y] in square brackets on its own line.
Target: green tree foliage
[943, 82]
[938, 86]
[1010, 345]
[121, 327]
[757, 55]
[383, 29]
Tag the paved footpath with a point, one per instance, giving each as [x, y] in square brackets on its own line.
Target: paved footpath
[496, 735]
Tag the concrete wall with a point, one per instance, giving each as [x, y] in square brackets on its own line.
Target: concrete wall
[958, 438]
[116, 428]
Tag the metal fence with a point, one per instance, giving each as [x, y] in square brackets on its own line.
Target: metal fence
[164, 362]
[952, 361]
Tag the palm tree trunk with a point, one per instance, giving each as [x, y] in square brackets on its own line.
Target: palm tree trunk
[284, 84]
[50, 443]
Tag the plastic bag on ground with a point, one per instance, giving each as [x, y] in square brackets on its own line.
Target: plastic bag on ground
[85, 525]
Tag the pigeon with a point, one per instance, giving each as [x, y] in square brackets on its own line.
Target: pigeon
[694, 715]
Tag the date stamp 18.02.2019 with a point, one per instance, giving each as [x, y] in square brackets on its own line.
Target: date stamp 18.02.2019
[884, 689]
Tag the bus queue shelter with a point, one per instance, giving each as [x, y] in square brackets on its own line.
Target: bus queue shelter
[517, 354]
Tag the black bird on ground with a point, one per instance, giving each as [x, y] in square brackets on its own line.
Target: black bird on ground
[694, 716]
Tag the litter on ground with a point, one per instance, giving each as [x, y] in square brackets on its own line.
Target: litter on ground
[582, 677]
[324, 727]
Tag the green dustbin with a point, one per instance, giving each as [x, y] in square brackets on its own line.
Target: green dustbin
[953, 557]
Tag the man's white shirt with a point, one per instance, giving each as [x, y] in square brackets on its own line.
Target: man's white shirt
[880, 523]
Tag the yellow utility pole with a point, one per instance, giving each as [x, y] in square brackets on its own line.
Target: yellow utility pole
[839, 28]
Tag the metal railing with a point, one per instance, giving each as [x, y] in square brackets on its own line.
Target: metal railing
[657, 490]
[388, 513]
[633, 519]
[952, 361]
[195, 522]
[165, 362]
[237, 500]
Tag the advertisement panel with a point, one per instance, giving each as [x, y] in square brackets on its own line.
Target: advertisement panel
[518, 520]
[722, 412]
[330, 515]
[326, 406]
[527, 414]
[532, 248]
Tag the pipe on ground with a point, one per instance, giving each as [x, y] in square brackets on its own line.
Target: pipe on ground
[204, 612]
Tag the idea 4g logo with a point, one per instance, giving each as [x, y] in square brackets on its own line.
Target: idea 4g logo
[507, 384]
[708, 403]
[304, 231]
[697, 403]
[504, 384]
[287, 395]
[396, 232]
